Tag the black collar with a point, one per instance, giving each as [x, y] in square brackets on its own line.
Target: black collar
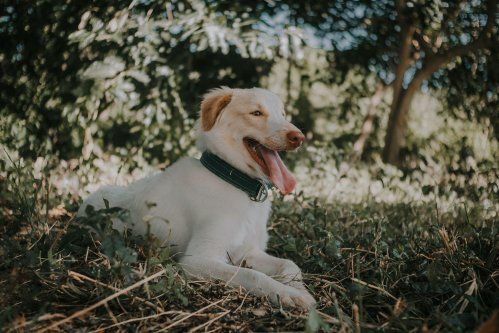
[255, 188]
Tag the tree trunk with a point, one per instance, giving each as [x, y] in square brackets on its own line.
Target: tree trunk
[367, 125]
[397, 121]
[395, 134]
[397, 124]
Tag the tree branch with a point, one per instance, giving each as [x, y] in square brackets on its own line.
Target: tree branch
[443, 58]
[404, 58]
[491, 13]
[404, 55]
[367, 125]
[399, 7]
[424, 42]
[452, 14]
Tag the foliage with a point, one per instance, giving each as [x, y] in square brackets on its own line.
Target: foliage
[439, 26]
[85, 79]
[124, 76]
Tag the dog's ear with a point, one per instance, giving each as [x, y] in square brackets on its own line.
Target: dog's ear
[212, 105]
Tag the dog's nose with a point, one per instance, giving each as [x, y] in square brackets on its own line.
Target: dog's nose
[295, 138]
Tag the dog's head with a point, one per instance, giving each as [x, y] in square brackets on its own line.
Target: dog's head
[247, 128]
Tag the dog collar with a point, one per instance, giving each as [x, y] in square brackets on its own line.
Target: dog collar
[255, 188]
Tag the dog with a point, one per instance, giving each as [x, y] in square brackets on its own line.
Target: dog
[213, 212]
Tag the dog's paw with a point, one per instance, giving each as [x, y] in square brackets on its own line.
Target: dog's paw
[297, 284]
[295, 298]
[303, 299]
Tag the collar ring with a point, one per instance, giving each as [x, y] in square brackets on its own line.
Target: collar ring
[262, 194]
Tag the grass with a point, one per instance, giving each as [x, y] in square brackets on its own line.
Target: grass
[371, 266]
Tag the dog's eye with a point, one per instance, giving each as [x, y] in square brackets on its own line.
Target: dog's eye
[257, 113]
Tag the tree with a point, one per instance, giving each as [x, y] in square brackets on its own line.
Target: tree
[159, 57]
[80, 78]
[444, 45]
[430, 50]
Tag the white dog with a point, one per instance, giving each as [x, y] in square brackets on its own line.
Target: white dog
[213, 212]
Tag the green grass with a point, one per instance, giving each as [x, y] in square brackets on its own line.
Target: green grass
[371, 266]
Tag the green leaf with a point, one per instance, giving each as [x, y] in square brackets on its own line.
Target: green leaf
[104, 69]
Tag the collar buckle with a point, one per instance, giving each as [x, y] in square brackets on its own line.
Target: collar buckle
[262, 194]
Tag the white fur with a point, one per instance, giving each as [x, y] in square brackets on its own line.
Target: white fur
[213, 227]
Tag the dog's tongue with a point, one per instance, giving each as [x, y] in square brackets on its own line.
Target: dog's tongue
[279, 174]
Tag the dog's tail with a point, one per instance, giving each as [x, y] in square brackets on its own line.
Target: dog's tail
[114, 196]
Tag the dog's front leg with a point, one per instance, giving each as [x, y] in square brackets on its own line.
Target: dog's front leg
[253, 281]
[283, 270]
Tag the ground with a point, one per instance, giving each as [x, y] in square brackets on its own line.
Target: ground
[372, 266]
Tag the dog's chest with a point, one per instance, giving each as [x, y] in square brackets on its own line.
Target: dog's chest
[251, 231]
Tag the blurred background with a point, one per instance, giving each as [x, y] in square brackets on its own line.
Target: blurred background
[394, 218]
[398, 99]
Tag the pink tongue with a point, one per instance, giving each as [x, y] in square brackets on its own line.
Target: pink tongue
[279, 174]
